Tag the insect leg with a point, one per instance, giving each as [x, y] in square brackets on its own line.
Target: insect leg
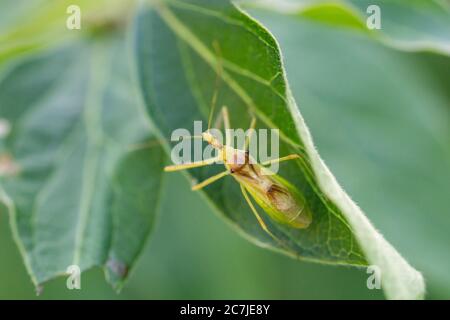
[263, 224]
[258, 217]
[197, 164]
[210, 180]
[286, 158]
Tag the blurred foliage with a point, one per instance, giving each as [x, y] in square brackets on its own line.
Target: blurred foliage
[405, 25]
[27, 26]
[380, 118]
[81, 177]
[193, 255]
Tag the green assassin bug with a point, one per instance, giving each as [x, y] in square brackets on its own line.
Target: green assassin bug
[276, 196]
[282, 202]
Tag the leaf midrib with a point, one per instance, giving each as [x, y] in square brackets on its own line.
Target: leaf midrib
[184, 33]
[92, 113]
[209, 57]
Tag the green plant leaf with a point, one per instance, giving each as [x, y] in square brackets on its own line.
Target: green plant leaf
[80, 174]
[412, 25]
[390, 143]
[176, 64]
[406, 25]
[29, 26]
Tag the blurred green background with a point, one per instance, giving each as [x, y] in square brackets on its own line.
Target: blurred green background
[194, 255]
[380, 118]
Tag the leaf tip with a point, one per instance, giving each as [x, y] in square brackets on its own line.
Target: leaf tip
[116, 272]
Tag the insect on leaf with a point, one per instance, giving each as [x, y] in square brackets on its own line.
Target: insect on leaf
[177, 62]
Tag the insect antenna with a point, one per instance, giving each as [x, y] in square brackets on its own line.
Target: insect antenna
[191, 137]
[216, 83]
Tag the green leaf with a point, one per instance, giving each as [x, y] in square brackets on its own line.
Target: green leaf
[135, 200]
[335, 13]
[413, 25]
[28, 26]
[80, 174]
[406, 25]
[176, 64]
[390, 141]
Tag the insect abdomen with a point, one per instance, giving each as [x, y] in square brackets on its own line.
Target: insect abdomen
[281, 201]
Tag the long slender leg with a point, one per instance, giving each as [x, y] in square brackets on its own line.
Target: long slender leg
[258, 217]
[197, 164]
[263, 224]
[286, 158]
[210, 180]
